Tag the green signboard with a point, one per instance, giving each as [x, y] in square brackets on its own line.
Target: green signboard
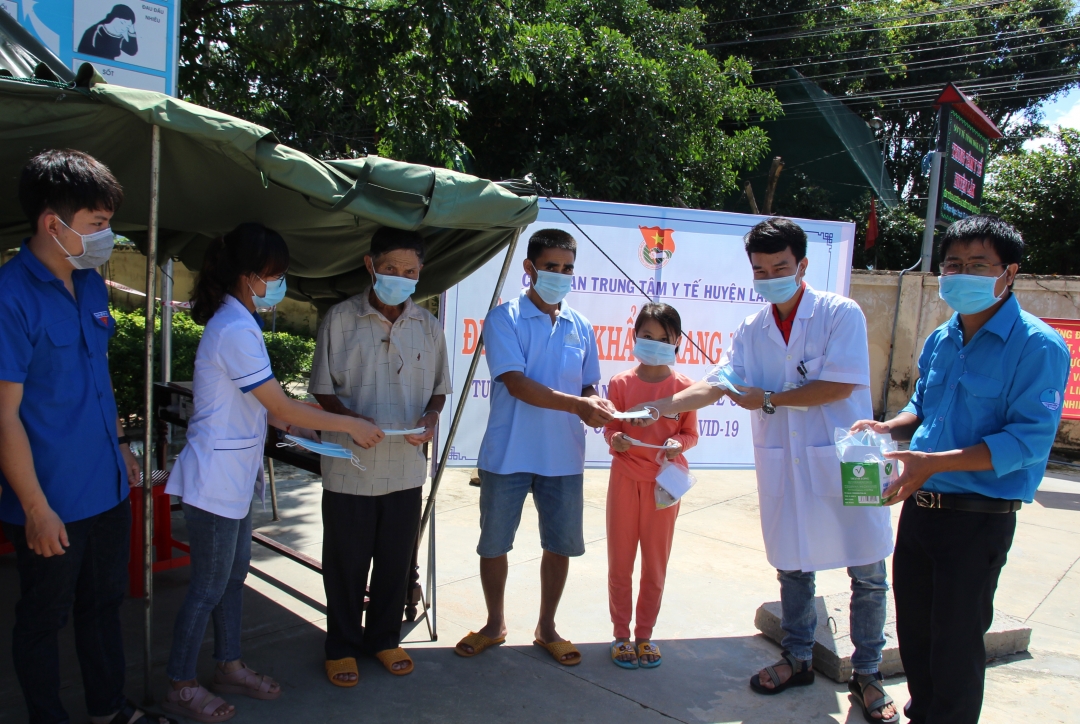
[962, 170]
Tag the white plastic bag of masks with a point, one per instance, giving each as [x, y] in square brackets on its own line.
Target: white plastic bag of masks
[865, 472]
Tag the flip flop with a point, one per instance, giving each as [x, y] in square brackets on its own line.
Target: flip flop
[621, 648]
[648, 648]
[389, 657]
[558, 649]
[342, 666]
[478, 643]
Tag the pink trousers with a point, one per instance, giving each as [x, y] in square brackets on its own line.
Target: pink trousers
[633, 520]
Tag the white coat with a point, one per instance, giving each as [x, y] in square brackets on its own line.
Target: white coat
[221, 465]
[803, 519]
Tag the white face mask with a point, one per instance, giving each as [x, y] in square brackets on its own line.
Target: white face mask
[97, 247]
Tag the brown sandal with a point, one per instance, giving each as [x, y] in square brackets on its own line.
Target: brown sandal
[245, 681]
[389, 657]
[195, 702]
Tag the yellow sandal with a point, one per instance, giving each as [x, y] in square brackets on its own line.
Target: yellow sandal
[342, 666]
[478, 643]
[558, 649]
[389, 657]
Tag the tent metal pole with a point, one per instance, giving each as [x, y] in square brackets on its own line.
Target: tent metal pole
[444, 457]
[166, 320]
[148, 411]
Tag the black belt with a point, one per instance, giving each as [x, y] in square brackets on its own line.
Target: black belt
[969, 503]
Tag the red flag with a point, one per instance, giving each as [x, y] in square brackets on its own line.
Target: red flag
[871, 226]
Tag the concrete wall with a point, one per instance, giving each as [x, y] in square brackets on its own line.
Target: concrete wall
[921, 311]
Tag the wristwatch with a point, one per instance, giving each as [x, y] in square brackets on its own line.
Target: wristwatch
[123, 440]
[767, 405]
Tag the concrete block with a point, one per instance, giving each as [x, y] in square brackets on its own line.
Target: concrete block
[833, 647]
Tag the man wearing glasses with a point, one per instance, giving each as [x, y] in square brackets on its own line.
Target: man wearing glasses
[981, 423]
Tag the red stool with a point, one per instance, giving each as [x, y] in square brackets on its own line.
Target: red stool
[6, 546]
[164, 543]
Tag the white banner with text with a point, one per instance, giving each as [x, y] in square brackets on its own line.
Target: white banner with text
[693, 260]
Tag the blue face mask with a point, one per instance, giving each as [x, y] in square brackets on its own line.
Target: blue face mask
[275, 292]
[552, 287]
[779, 290]
[392, 290]
[968, 293]
[329, 449]
[652, 352]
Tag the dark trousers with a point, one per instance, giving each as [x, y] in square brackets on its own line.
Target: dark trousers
[945, 573]
[88, 580]
[362, 532]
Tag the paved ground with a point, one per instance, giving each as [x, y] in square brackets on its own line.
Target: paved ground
[718, 577]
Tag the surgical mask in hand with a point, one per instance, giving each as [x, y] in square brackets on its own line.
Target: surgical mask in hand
[392, 290]
[652, 352]
[779, 290]
[275, 292]
[552, 287]
[97, 248]
[968, 293]
[329, 449]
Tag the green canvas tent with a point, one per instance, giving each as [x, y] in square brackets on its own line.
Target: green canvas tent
[217, 171]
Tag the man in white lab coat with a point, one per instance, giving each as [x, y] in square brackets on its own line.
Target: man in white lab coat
[805, 361]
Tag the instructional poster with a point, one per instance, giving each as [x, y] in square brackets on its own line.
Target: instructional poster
[129, 42]
[693, 260]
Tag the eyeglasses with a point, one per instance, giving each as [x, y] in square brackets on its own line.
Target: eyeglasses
[977, 268]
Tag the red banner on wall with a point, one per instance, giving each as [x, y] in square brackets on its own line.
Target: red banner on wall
[1069, 329]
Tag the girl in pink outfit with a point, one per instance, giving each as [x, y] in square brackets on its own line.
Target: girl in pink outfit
[632, 517]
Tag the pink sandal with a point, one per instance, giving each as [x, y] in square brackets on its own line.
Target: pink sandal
[195, 702]
[246, 682]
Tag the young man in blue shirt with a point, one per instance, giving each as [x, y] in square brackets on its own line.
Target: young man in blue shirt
[65, 465]
[544, 366]
[981, 423]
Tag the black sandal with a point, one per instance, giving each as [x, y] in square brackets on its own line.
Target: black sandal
[128, 710]
[858, 684]
[801, 675]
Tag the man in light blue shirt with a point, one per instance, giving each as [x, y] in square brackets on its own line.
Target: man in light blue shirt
[981, 423]
[544, 367]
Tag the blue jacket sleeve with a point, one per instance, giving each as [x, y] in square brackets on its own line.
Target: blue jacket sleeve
[16, 348]
[1033, 411]
[915, 404]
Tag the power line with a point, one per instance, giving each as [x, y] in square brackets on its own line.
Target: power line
[924, 47]
[854, 23]
[917, 66]
[828, 32]
[789, 12]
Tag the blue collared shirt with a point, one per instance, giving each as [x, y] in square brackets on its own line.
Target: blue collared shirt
[57, 349]
[1004, 388]
[521, 438]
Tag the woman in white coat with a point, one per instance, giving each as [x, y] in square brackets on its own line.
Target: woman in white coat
[221, 466]
[805, 361]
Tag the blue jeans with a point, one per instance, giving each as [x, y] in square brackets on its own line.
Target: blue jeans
[560, 505]
[89, 581]
[220, 556]
[868, 591]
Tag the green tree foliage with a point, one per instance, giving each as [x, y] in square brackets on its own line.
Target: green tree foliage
[619, 106]
[890, 58]
[1039, 193]
[601, 98]
[290, 357]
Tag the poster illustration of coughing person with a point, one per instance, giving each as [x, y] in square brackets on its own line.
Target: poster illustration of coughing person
[113, 35]
[129, 31]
